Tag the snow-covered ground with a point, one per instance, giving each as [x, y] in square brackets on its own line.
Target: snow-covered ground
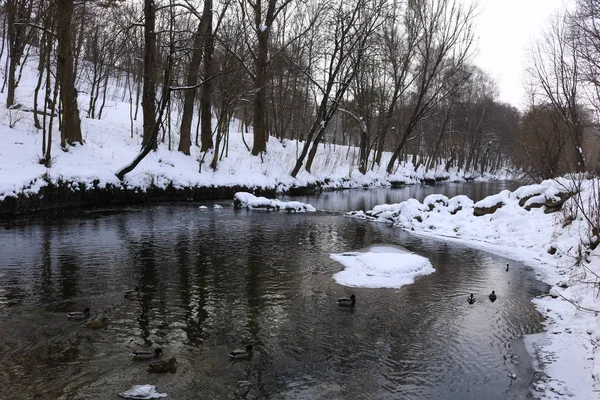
[114, 141]
[515, 225]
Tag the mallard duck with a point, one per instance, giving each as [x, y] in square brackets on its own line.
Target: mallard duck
[493, 296]
[133, 293]
[145, 354]
[240, 353]
[346, 301]
[471, 299]
[97, 324]
[163, 366]
[79, 314]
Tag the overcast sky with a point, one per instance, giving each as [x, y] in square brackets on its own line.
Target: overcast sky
[506, 29]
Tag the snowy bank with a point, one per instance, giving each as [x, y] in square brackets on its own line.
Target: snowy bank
[248, 200]
[115, 140]
[380, 267]
[542, 226]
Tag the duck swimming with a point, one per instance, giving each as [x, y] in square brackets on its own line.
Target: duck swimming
[240, 353]
[163, 366]
[79, 314]
[493, 296]
[145, 354]
[133, 293]
[346, 301]
[471, 299]
[97, 324]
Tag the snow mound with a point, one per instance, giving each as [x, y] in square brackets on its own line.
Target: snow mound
[142, 392]
[388, 268]
[248, 200]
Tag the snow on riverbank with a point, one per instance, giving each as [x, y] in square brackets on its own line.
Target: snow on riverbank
[114, 141]
[515, 225]
[380, 267]
[248, 200]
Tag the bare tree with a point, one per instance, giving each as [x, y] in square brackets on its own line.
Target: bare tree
[149, 90]
[204, 29]
[260, 17]
[399, 38]
[347, 29]
[65, 73]
[556, 70]
[18, 14]
[585, 21]
[542, 143]
[445, 43]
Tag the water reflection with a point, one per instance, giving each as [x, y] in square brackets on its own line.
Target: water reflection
[216, 279]
[366, 199]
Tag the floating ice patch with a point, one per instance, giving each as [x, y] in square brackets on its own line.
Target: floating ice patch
[142, 392]
[385, 267]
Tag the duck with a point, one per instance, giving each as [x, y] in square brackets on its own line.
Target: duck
[135, 292]
[493, 296]
[240, 353]
[79, 314]
[163, 366]
[145, 354]
[471, 299]
[346, 301]
[97, 324]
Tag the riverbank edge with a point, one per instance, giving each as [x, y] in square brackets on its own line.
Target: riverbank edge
[540, 346]
[63, 195]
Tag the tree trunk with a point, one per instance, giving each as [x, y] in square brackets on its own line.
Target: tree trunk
[149, 90]
[313, 151]
[206, 97]
[440, 136]
[16, 11]
[305, 148]
[151, 144]
[71, 124]
[260, 97]
[577, 139]
[185, 132]
[407, 133]
[363, 153]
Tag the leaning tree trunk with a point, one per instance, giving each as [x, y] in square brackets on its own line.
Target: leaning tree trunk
[153, 140]
[71, 124]
[313, 151]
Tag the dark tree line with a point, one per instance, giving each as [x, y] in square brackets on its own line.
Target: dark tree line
[382, 75]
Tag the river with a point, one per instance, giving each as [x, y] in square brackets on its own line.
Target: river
[216, 279]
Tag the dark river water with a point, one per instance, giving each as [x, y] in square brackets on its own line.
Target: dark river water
[215, 279]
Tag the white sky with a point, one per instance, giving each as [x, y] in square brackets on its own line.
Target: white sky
[506, 30]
